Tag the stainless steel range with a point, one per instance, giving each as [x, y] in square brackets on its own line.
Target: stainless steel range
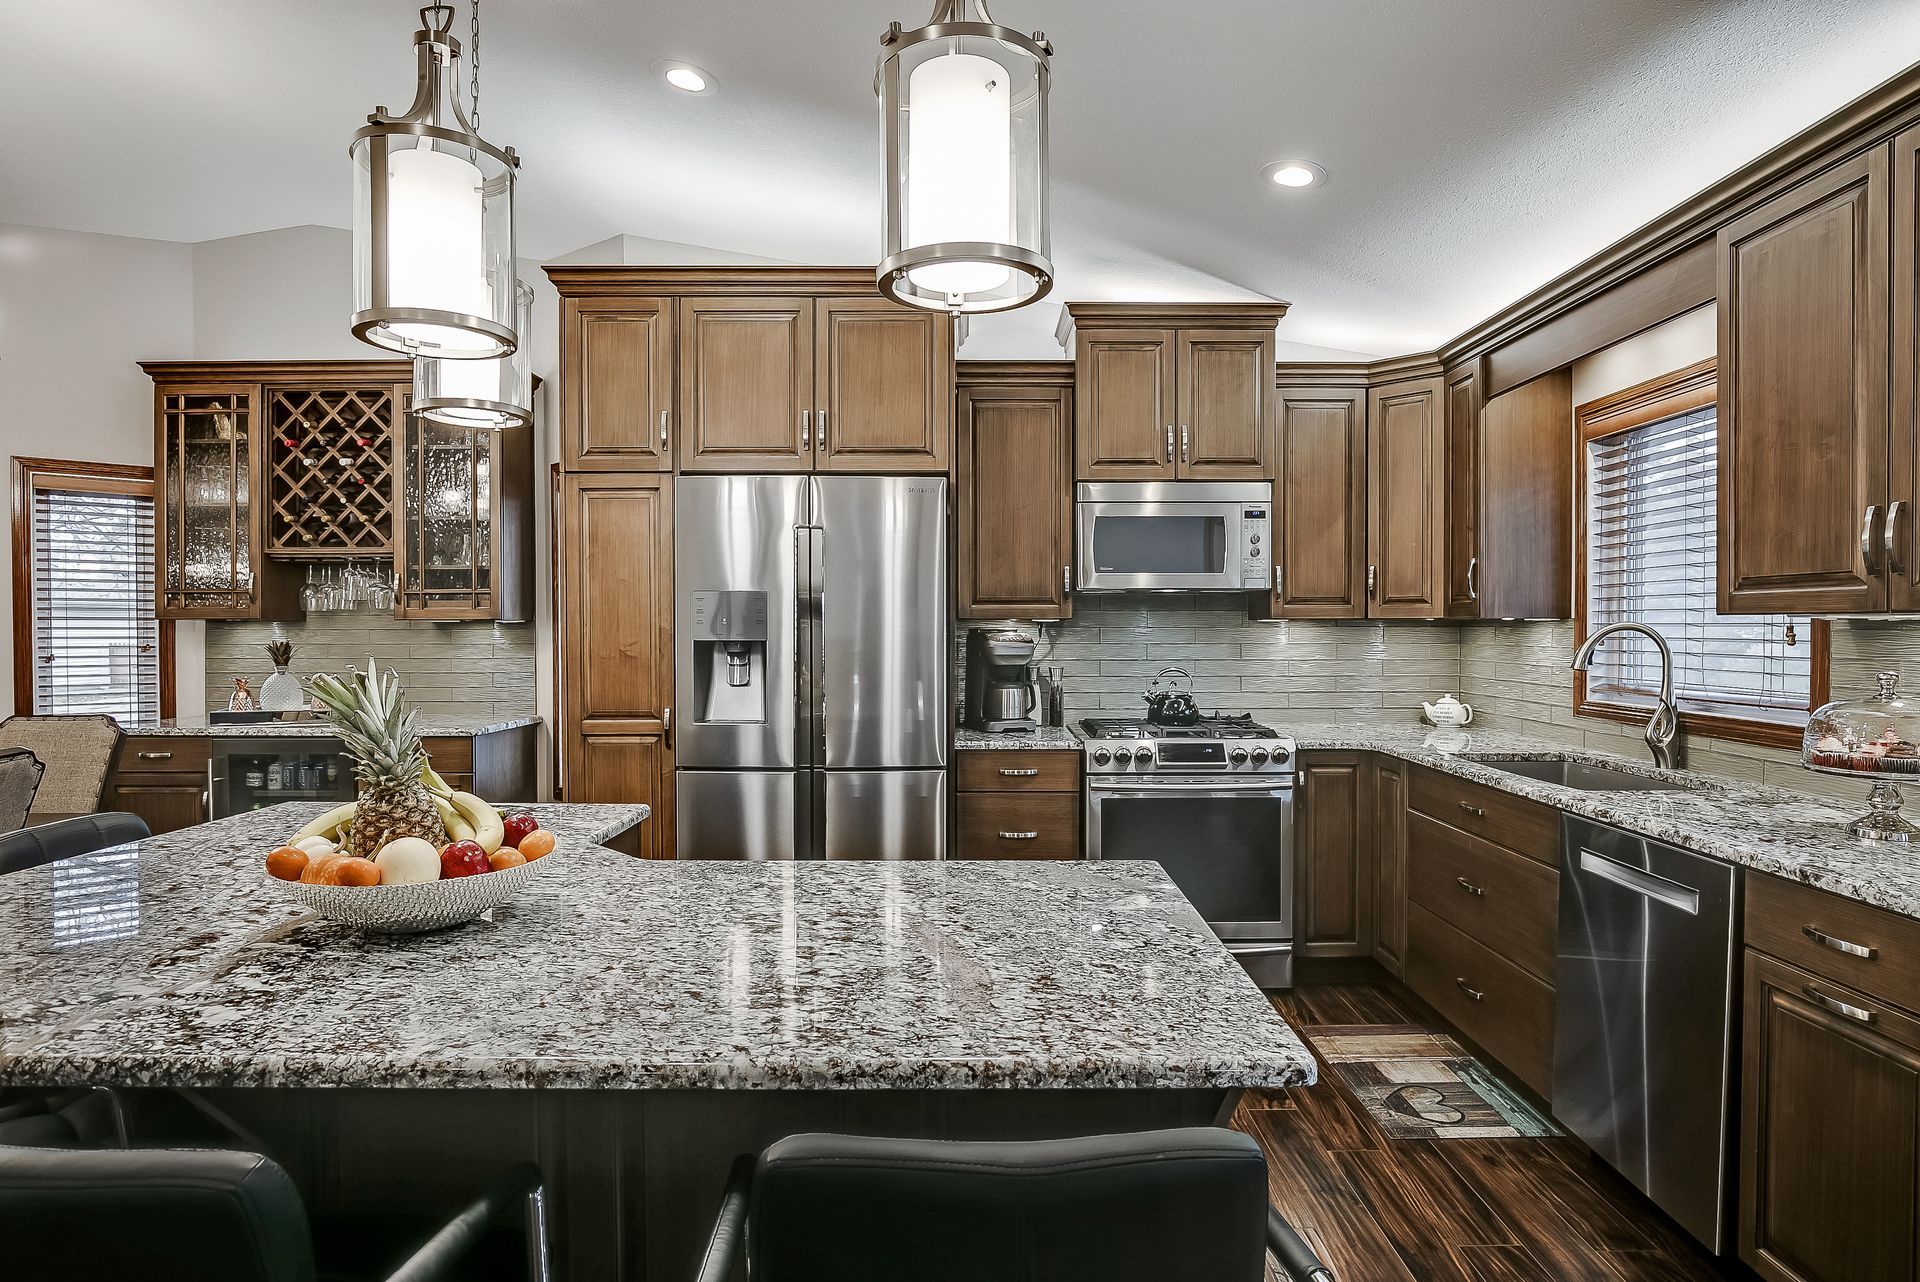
[1212, 803]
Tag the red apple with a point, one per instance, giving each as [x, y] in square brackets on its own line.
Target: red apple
[463, 859]
[518, 824]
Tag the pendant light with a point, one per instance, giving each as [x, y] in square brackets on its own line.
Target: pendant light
[433, 252]
[492, 394]
[964, 108]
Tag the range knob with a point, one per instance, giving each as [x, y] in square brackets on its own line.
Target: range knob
[1280, 754]
[1123, 755]
[1259, 756]
[1238, 756]
[1101, 756]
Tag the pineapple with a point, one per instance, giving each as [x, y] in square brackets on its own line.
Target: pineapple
[377, 723]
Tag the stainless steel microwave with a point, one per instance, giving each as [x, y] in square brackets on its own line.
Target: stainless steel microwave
[1178, 536]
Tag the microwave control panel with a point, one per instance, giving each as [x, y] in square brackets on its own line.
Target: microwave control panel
[1255, 549]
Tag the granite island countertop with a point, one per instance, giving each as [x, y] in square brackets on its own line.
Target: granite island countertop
[434, 726]
[1770, 830]
[174, 961]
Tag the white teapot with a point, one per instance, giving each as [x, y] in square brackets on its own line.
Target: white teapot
[1447, 711]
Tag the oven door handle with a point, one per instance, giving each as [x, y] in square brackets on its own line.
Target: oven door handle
[1200, 788]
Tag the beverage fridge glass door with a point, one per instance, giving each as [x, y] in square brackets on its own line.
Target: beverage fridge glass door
[884, 660]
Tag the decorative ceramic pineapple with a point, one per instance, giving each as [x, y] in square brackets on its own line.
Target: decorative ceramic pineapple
[281, 691]
[377, 723]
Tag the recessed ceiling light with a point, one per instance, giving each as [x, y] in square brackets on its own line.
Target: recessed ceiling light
[686, 77]
[1294, 173]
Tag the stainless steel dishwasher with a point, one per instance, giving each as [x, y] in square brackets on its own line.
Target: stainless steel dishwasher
[1643, 1034]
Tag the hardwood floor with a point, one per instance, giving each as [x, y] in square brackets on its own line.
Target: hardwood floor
[1451, 1210]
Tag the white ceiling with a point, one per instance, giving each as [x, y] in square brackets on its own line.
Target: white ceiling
[1476, 148]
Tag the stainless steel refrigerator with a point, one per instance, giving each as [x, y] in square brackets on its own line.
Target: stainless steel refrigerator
[811, 660]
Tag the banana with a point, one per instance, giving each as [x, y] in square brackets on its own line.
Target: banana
[458, 829]
[435, 784]
[326, 824]
[488, 829]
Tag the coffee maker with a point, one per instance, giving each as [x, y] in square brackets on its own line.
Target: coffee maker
[1000, 694]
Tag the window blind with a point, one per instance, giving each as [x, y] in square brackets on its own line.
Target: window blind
[1651, 512]
[95, 639]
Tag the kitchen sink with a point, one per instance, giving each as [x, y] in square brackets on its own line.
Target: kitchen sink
[1580, 775]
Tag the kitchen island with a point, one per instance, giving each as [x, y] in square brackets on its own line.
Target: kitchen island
[631, 1025]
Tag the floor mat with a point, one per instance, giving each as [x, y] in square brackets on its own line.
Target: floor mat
[1417, 1084]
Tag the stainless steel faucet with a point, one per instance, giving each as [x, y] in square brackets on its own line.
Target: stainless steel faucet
[1663, 727]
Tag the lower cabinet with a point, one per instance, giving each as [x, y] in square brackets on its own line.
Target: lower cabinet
[1333, 855]
[1830, 1091]
[162, 779]
[1017, 804]
[1390, 864]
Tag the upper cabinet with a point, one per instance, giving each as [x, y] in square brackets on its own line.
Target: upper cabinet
[1465, 390]
[1521, 561]
[1809, 522]
[463, 548]
[790, 369]
[1169, 392]
[1406, 503]
[1320, 502]
[1013, 490]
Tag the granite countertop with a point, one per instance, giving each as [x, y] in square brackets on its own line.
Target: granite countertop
[1771, 830]
[173, 961]
[430, 726]
[1045, 737]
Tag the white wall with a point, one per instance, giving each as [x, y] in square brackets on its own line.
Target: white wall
[76, 312]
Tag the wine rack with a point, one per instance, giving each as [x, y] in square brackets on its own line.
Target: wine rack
[330, 473]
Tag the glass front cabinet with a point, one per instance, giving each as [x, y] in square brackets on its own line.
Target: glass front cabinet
[268, 470]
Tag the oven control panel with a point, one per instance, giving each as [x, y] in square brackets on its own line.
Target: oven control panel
[1256, 554]
[1189, 756]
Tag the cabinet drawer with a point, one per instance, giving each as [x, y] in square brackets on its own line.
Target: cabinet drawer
[1503, 901]
[164, 754]
[450, 754]
[1826, 934]
[1016, 770]
[1514, 822]
[1501, 1007]
[1015, 826]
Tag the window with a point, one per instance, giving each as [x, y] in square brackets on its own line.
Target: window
[83, 588]
[1648, 555]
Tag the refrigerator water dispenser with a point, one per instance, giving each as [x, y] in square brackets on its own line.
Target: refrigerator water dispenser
[730, 656]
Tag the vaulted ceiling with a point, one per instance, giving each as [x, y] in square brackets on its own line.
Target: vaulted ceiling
[1475, 148]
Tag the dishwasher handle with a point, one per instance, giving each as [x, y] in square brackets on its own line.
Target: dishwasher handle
[1641, 882]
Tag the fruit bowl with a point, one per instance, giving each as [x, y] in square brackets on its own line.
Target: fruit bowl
[412, 908]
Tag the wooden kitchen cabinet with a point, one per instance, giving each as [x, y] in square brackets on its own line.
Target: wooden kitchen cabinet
[463, 536]
[616, 376]
[1320, 503]
[1803, 293]
[1903, 535]
[615, 622]
[747, 390]
[1169, 392]
[1388, 830]
[1333, 854]
[1406, 507]
[1830, 1114]
[884, 377]
[1465, 394]
[163, 779]
[1522, 560]
[1017, 804]
[1013, 492]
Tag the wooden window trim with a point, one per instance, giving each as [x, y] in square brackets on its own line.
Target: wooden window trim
[67, 474]
[1690, 388]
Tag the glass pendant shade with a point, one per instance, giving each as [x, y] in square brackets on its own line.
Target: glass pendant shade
[964, 105]
[494, 393]
[433, 249]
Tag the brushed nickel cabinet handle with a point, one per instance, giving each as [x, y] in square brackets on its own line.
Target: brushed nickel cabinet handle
[1837, 1006]
[1019, 774]
[1895, 565]
[806, 430]
[663, 429]
[1019, 836]
[1469, 887]
[1186, 449]
[1169, 442]
[1477, 812]
[1473, 567]
[1867, 539]
[1066, 580]
[666, 726]
[1839, 945]
[154, 756]
[1373, 577]
[1470, 991]
[820, 422]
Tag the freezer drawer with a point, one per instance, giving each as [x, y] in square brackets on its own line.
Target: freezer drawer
[746, 814]
[883, 814]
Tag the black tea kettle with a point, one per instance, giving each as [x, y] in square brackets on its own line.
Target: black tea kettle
[1170, 699]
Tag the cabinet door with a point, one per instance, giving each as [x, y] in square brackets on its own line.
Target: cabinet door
[1389, 830]
[167, 803]
[615, 629]
[1406, 526]
[1320, 504]
[1124, 406]
[1224, 379]
[1333, 916]
[1526, 501]
[1803, 313]
[616, 375]
[746, 385]
[1463, 491]
[1830, 1110]
[885, 381]
[1013, 504]
[1903, 540]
